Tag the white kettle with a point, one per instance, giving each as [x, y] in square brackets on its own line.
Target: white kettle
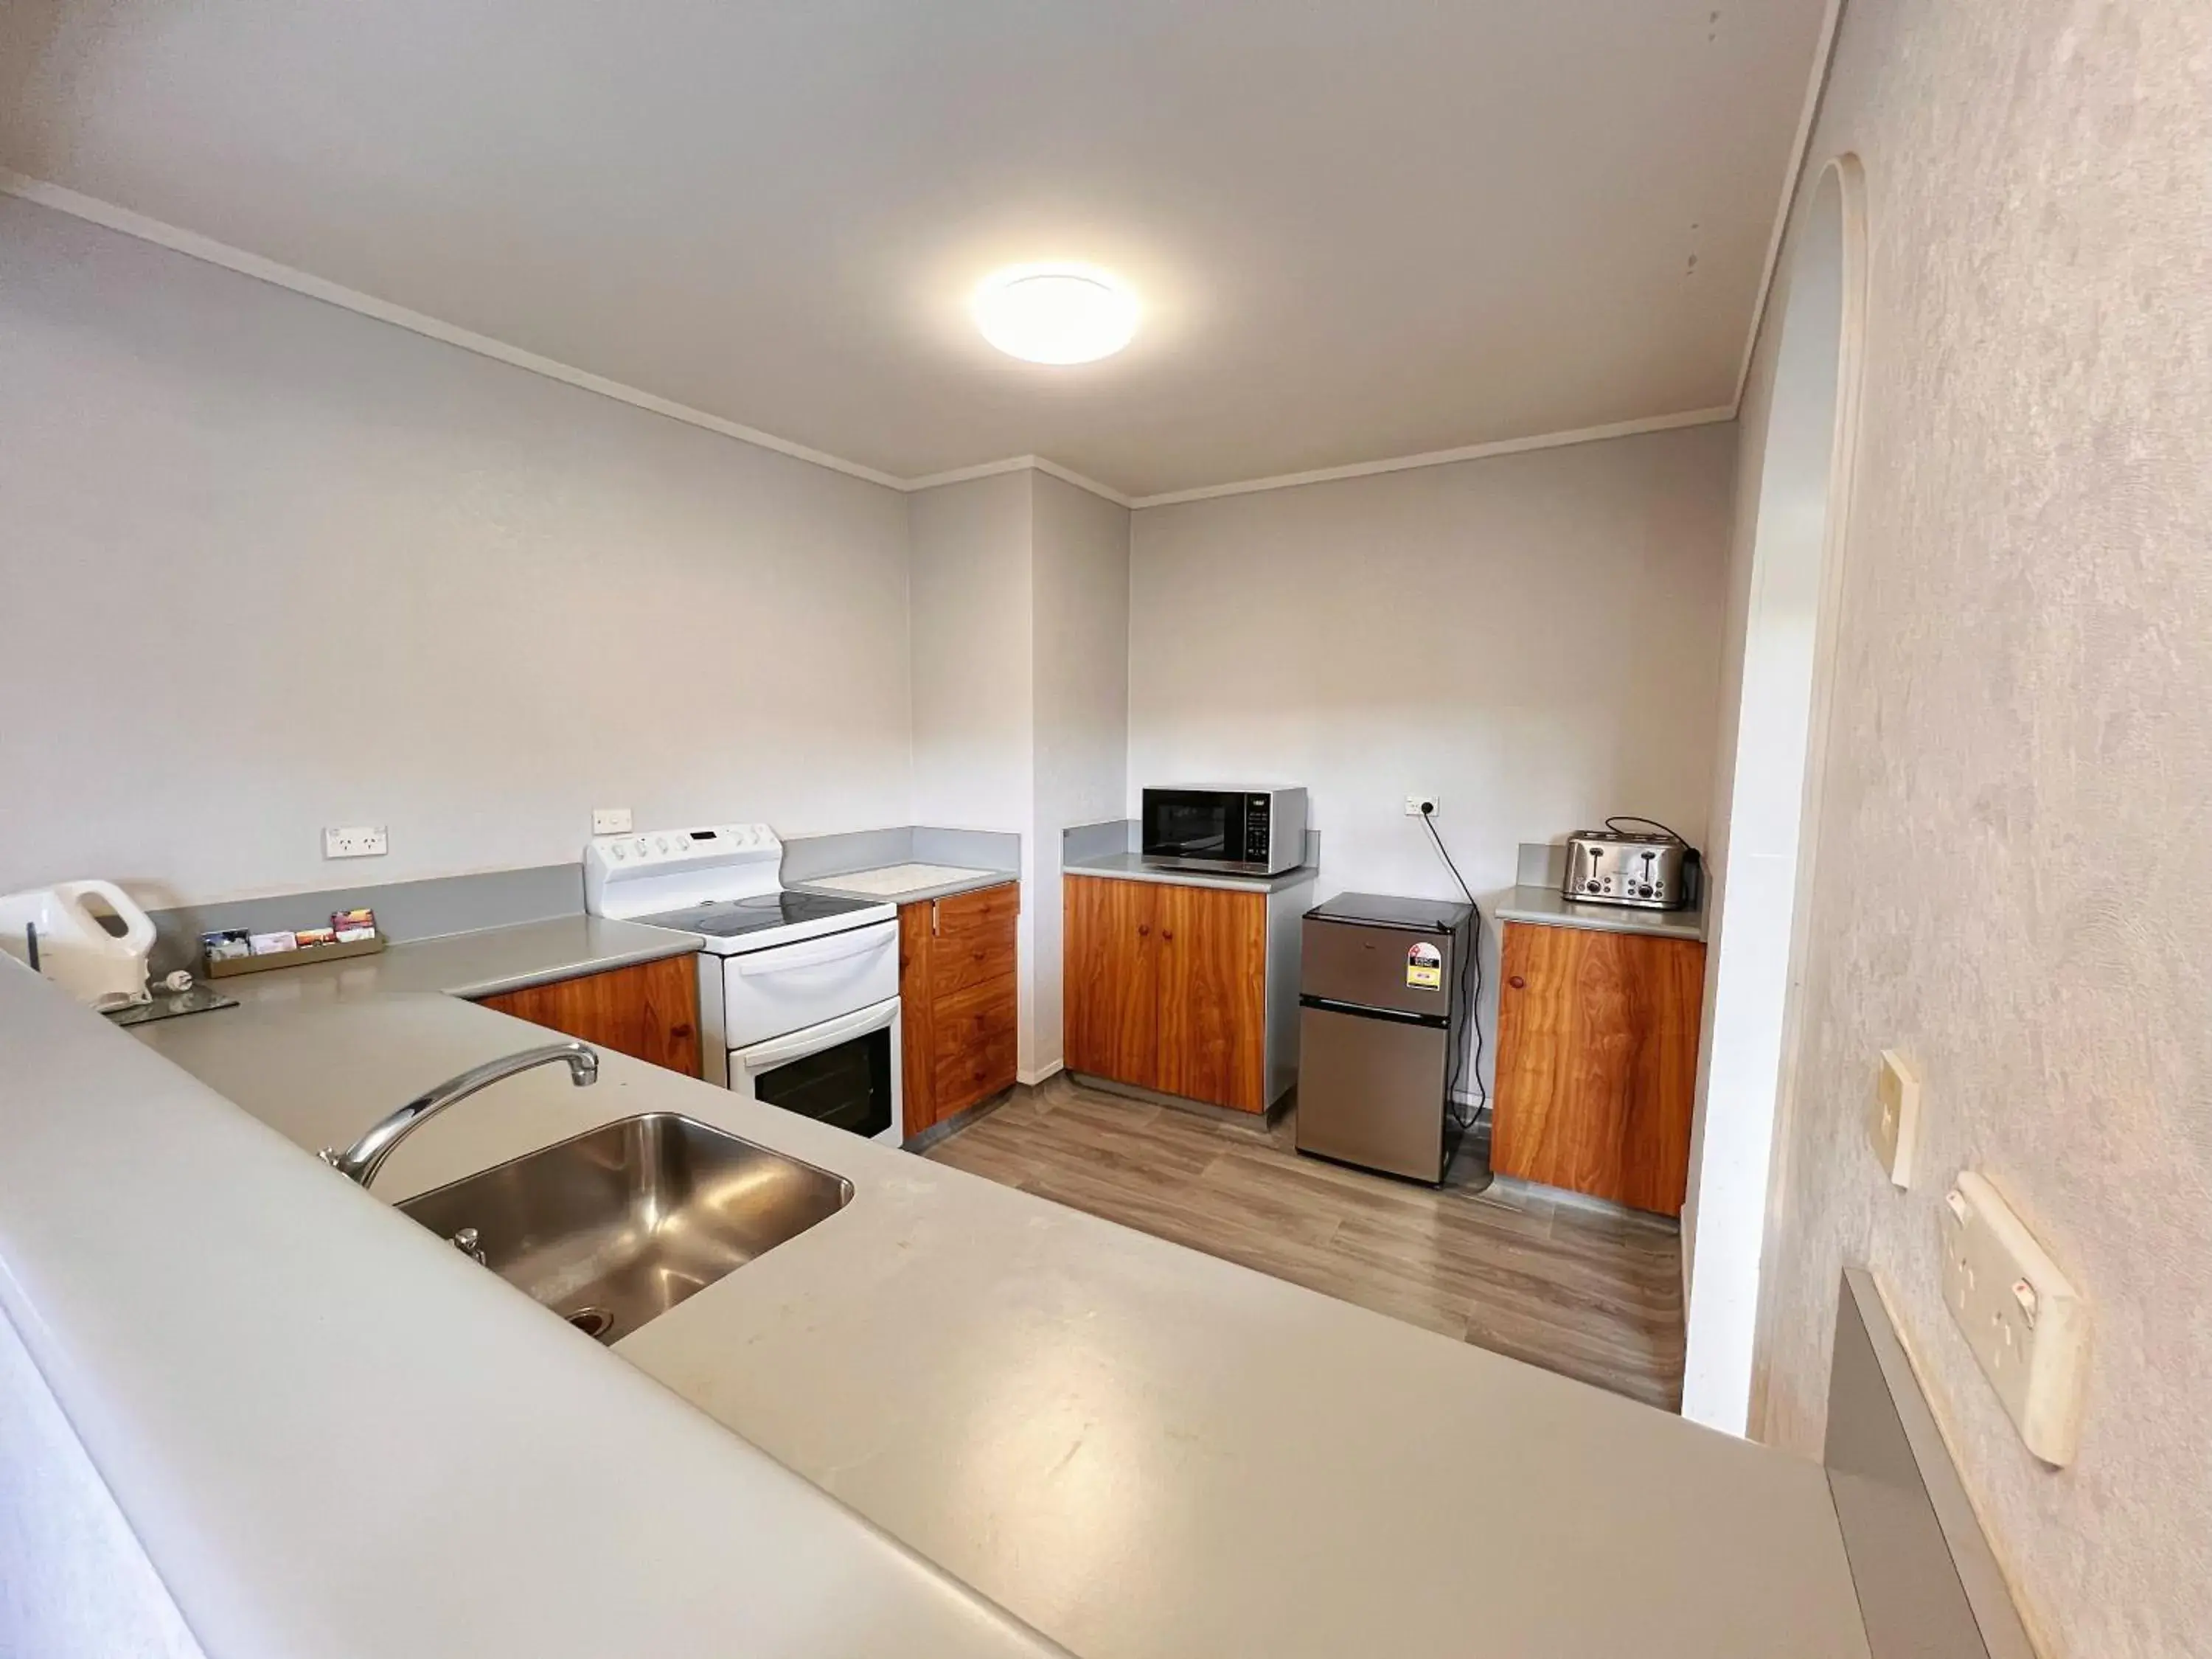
[74, 947]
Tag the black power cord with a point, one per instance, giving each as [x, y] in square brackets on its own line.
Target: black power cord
[1471, 1010]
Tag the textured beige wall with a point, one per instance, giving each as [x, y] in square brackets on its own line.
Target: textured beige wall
[2023, 735]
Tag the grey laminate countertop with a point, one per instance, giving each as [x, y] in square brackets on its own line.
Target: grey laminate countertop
[1130, 866]
[1120, 1441]
[478, 964]
[1544, 906]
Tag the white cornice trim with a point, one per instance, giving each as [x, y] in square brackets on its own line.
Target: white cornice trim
[1018, 463]
[90, 208]
[1814, 85]
[1586, 435]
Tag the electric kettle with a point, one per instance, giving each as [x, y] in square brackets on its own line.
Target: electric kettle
[62, 931]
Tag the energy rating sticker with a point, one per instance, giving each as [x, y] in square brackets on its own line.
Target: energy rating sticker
[1424, 968]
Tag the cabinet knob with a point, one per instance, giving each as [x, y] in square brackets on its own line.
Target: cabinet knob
[1167, 932]
[1518, 983]
[1144, 929]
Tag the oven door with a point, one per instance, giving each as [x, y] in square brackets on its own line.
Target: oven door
[844, 1073]
[1201, 827]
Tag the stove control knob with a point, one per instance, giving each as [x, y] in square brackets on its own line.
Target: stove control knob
[620, 851]
[661, 842]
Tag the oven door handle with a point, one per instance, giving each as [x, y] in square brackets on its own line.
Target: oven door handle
[789, 958]
[766, 1056]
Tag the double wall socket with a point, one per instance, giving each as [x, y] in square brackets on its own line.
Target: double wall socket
[363, 840]
[1420, 805]
[2024, 1320]
[610, 820]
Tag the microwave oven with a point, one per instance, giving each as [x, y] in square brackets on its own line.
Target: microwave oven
[1246, 832]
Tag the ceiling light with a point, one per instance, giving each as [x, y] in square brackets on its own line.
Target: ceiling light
[1055, 314]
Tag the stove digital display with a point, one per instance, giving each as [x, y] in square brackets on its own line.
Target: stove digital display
[703, 835]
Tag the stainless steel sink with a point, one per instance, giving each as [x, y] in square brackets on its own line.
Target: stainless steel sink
[617, 1226]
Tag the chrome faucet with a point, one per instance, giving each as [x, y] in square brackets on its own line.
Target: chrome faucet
[360, 1161]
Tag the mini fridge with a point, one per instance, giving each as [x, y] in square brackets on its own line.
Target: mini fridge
[1383, 1002]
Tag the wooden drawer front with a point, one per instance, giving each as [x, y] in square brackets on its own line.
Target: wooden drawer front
[984, 910]
[650, 1011]
[1597, 1062]
[973, 943]
[976, 1037]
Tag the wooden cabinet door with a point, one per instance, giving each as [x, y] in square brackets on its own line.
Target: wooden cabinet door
[1212, 948]
[1110, 980]
[1597, 1062]
[649, 1011]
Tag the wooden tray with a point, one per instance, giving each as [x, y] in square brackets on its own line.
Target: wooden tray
[298, 958]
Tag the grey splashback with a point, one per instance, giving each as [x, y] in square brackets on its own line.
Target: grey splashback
[405, 909]
[811, 857]
[974, 849]
[1541, 864]
[1928, 1587]
[1093, 840]
[1085, 841]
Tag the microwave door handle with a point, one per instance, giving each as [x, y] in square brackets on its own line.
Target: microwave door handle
[767, 1056]
[789, 958]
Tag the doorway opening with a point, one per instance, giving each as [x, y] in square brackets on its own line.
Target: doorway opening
[1756, 961]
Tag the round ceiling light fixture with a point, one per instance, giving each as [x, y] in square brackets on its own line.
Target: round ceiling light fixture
[1055, 314]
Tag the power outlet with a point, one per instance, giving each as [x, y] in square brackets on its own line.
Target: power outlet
[368, 841]
[1894, 1118]
[1420, 805]
[2024, 1320]
[610, 820]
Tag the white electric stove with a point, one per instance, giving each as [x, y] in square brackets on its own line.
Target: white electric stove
[797, 992]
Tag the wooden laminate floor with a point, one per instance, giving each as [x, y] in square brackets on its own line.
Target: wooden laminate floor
[1592, 1294]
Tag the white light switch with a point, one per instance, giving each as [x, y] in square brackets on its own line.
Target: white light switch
[364, 841]
[1893, 1117]
[610, 820]
[2023, 1317]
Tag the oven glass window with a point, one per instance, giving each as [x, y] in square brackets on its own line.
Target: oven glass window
[1196, 824]
[849, 1087]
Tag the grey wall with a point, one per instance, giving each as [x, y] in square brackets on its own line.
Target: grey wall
[1080, 646]
[2024, 700]
[268, 565]
[1533, 638]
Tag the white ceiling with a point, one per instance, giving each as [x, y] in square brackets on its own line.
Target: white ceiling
[1360, 230]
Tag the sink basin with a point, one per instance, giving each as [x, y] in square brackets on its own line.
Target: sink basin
[617, 1226]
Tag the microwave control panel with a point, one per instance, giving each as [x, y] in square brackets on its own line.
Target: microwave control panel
[1257, 808]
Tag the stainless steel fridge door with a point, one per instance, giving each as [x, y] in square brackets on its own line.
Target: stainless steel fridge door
[1347, 961]
[1371, 1090]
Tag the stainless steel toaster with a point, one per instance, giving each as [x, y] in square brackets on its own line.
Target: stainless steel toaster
[1651, 872]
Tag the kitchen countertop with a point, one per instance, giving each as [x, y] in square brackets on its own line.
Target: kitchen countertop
[968, 881]
[327, 1433]
[1133, 1448]
[1130, 866]
[1544, 906]
[478, 964]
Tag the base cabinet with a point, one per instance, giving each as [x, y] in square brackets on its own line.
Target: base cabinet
[1165, 988]
[1597, 1062]
[649, 1011]
[958, 1004]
